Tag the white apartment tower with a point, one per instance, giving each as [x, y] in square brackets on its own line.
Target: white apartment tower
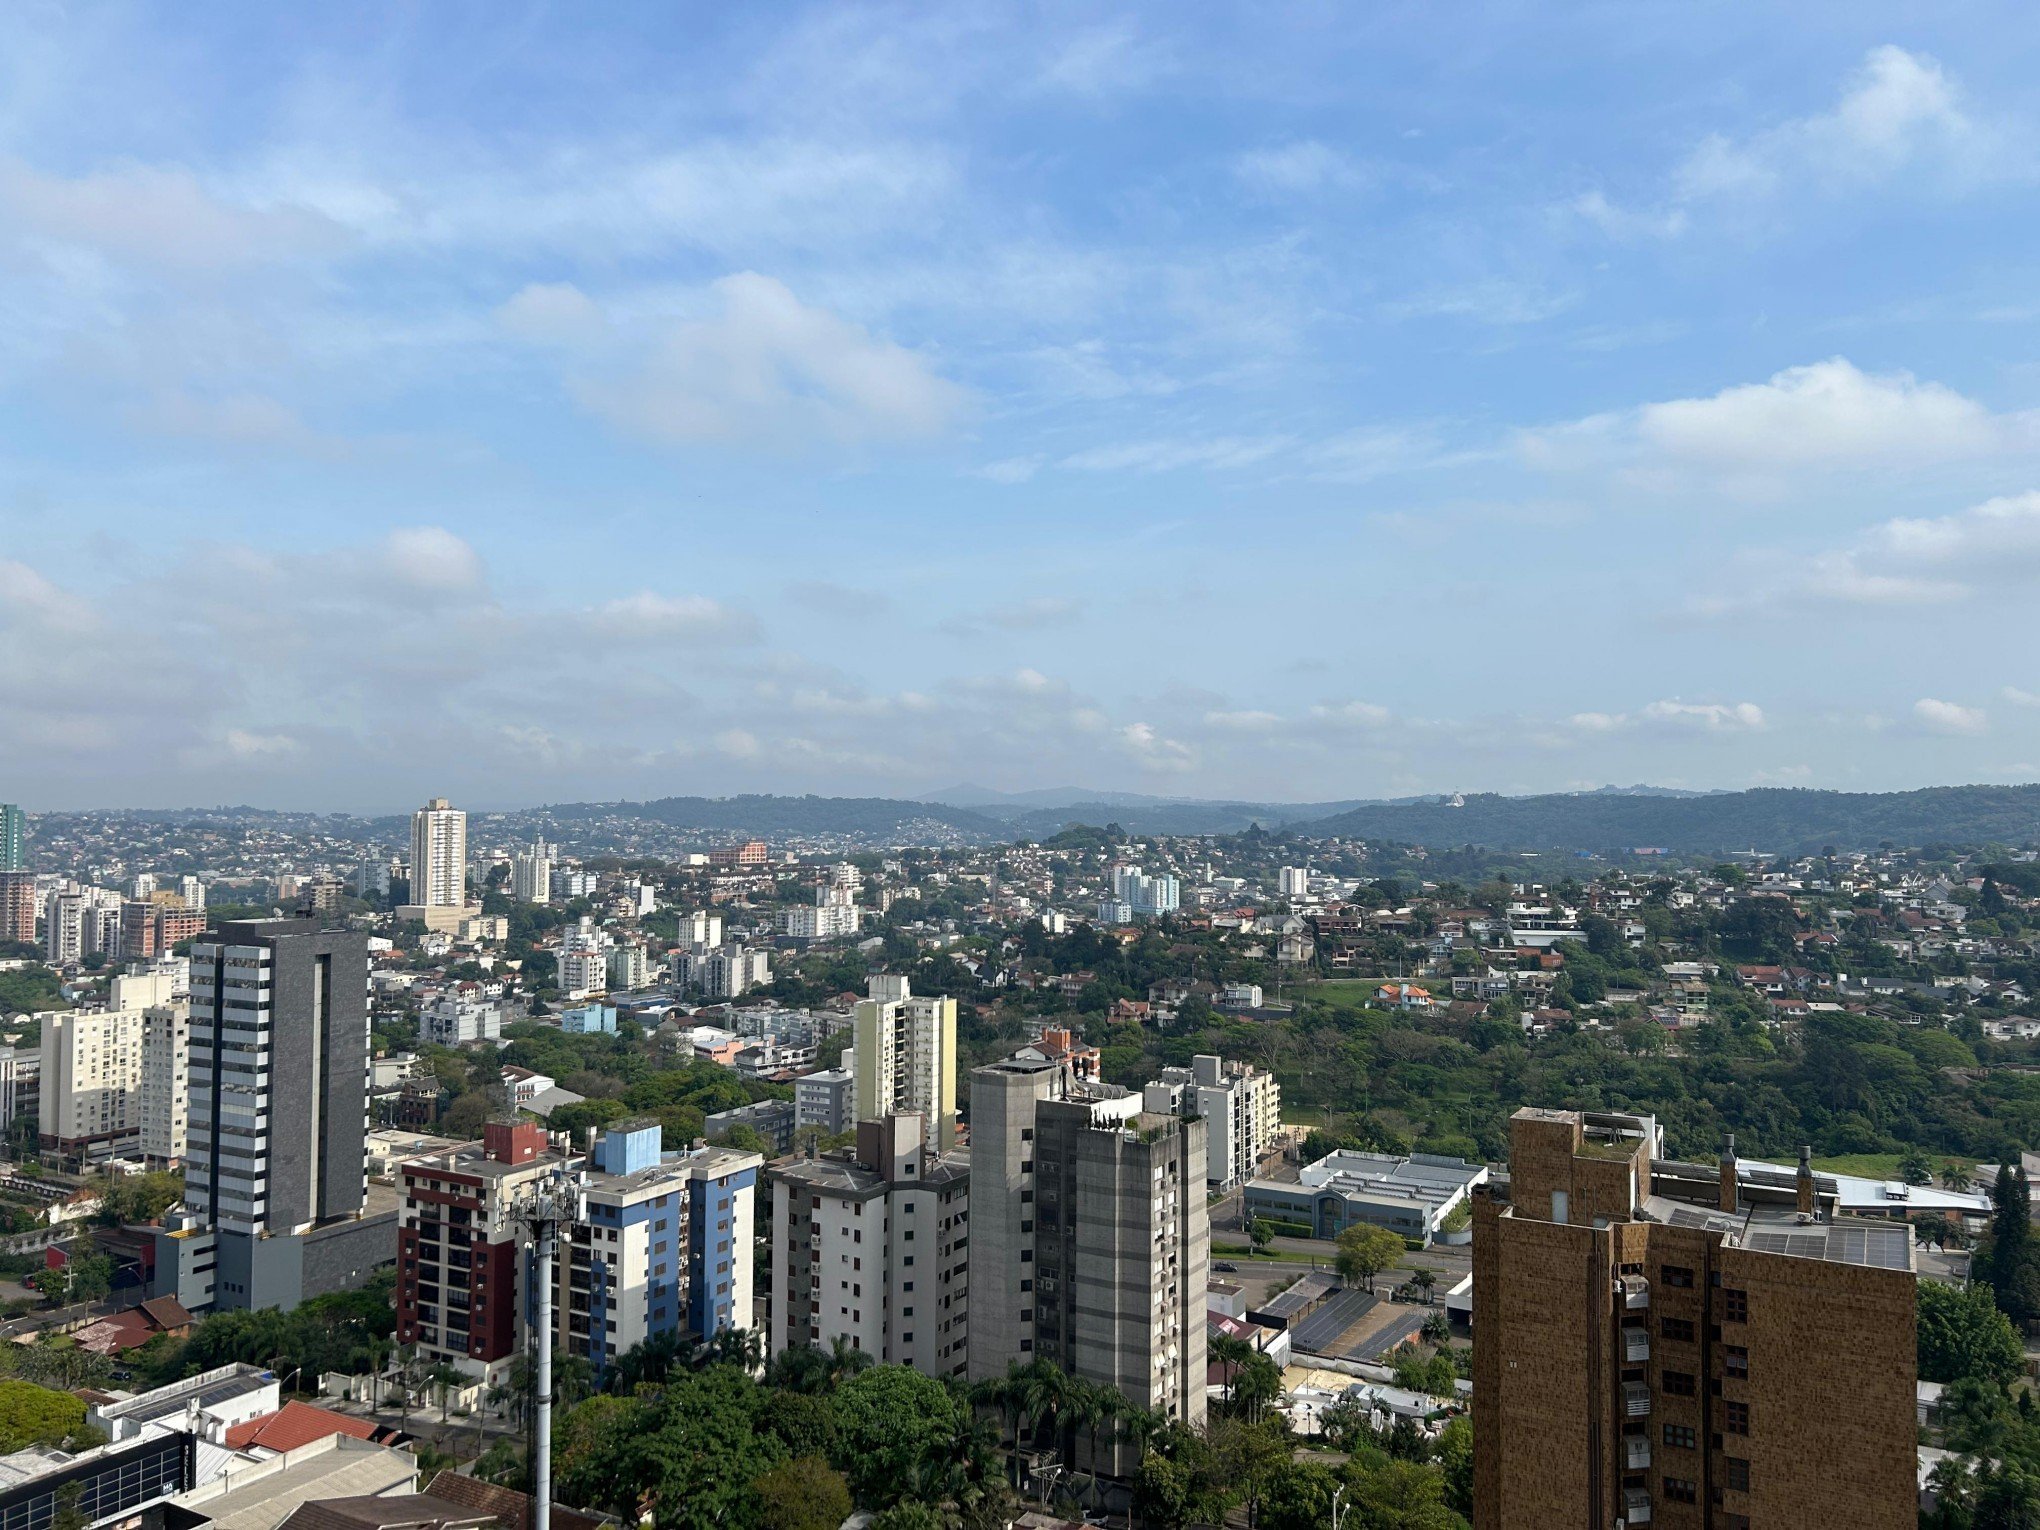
[438, 866]
[869, 1247]
[163, 996]
[906, 1059]
[91, 1081]
[1241, 1107]
[531, 873]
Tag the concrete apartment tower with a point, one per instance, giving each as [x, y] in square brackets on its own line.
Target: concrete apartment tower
[906, 1059]
[13, 838]
[274, 1174]
[439, 867]
[1684, 1344]
[1091, 1242]
[869, 1246]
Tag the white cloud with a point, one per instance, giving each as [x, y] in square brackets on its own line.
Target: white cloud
[1243, 721]
[1296, 168]
[2019, 698]
[1363, 714]
[1714, 717]
[1174, 455]
[1010, 469]
[1899, 111]
[1826, 413]
[431, 558]
[158, 216]
[1104, 61]
[553, 313]
[767, 367]
[648, 615]
[1153, 751]
[739, 743]
[1949, 717]
[1900, 120]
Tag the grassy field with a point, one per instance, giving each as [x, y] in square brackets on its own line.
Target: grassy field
[1885, 1165]
[1341, 993]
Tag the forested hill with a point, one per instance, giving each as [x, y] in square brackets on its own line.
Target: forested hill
[1770, 819]
[767, 816]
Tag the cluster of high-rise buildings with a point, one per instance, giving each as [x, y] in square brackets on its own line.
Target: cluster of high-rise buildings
[1138, 895]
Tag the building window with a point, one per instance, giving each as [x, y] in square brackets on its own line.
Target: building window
[1677, 1384]
[1738, 1474]
[1681, 1490]
[1735, 1360]
[1736, 1418]
[1735, 1305]
[1676, 1276]
[1680, 1329]
[1680, 1437]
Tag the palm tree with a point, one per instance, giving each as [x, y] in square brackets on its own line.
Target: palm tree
[1139, 1427]
[1102, 1409]
[845, 1361]
[1232, 1353]
[1424, 1281]
[1002, 1395]
[1437, 1329]
[1044, 1394]
[1955, 1177]
[804, 1370]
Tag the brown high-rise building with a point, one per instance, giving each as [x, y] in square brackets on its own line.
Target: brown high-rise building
[17, 905]
[1683, 1344]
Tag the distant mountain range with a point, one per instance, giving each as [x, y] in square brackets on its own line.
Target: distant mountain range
[1631, 817]
[1627, 817]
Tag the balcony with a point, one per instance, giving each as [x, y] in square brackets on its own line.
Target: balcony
[1637, 1457]
[1632, 1292]
[1635, 1506]
[1635, 1345]
[1636, 1399]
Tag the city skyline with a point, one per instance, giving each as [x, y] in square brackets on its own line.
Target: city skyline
[1285, 404]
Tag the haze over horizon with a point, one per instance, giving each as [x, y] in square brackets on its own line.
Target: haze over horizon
[1291, 405]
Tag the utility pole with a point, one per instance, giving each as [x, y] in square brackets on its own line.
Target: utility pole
[559, 1198]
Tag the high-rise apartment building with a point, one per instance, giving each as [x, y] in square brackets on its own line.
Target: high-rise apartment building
[1684, 1344]
[462, 1276]
[20, 1085]
[905, 1058]
[13, 838]
[91, 1082]
[17, 906]
[826, 1100]
[438, 867]
[274, 1181]
[1091, 1244]
[665, 1246]
[1241, 1107]
[166, 1083]
[531, 873]
[582, 965]
[870, 1245]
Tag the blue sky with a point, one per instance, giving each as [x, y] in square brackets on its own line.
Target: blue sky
[1293, 401]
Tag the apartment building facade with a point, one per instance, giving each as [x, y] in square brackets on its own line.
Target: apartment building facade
[1092, 1238]
[665, 1245]
[461, 1270]
[905, 1058]
[1683, 1345]
[1241, 1107]
[871, 1245]
[91, 1073]
[275, 1177]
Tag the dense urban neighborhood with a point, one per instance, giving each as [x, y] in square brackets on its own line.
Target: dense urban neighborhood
[325, 1150]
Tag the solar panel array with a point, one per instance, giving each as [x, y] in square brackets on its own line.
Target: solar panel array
[1799, 1242]
[1882, 1248]
[1318, 1332]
